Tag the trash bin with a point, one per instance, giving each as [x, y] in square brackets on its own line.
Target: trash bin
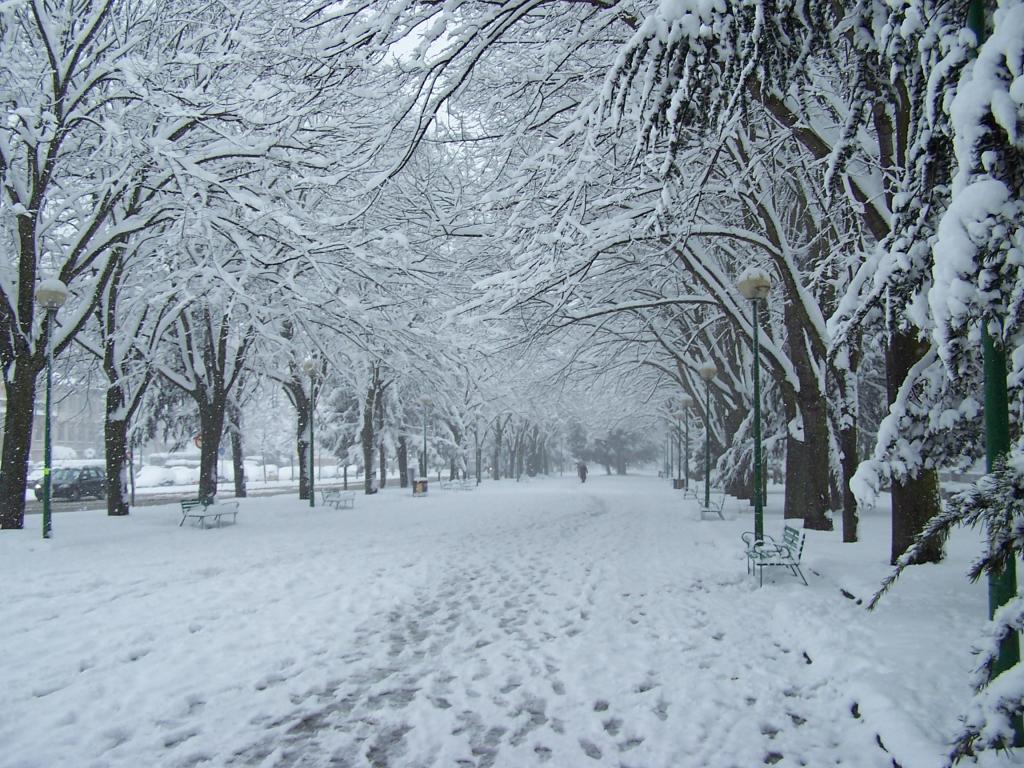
[419, 487]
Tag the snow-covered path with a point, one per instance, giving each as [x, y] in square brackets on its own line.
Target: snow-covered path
[515, 625]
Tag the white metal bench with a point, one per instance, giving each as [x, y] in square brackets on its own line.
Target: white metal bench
[458, 485]
[715, 507]
[199, 511]
[769, 553]
[337, 498]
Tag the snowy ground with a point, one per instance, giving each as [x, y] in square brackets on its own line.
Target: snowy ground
[540, 623]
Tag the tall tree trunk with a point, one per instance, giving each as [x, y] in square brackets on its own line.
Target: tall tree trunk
[237, 454]
[740, 484]
[479, 458]
[211, 429]
[807, 453]
[496, 466]
[807, 468]
[367, 439]
[915, 500]
[378, 410]
[115, 444]
[846, 435]
[403, 462]
[20, 391]
[302, 456]
[849, 461]
[301, 400]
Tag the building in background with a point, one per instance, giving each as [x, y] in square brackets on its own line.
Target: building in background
[76, 423]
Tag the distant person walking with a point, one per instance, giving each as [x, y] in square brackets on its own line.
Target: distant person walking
[581, 470]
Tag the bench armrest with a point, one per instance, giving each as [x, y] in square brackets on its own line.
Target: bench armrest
[751, 542]
[770, 552]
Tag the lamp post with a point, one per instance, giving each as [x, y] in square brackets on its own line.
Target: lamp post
[755, 284]
[686, 402]
[50, 295]
[708, 371]
[309, 366]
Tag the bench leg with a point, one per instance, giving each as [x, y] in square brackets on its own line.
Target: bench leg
[798, 572]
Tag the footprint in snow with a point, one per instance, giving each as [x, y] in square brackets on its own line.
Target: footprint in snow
[590, 749]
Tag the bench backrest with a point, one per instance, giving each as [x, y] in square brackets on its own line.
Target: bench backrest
[794, 539]
[189, 504]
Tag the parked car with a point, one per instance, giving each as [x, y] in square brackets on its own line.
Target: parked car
[74, 483]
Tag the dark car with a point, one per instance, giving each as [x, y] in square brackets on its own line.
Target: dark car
[74, 483]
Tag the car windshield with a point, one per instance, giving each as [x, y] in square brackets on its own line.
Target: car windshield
[65, 475]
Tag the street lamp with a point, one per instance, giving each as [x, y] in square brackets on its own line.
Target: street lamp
[50, 295]
[686, 402]
[309, 366]
[708, 371]
[755, 284]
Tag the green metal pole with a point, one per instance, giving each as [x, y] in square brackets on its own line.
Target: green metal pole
[758, 501]
[312, 411]
[1002, 587]
[423, 458]
[47, 452]
[707, 443]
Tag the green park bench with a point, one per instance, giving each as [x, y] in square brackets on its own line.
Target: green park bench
[769, 553]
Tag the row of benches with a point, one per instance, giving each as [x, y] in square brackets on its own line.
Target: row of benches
[761, 554]
[208, 513]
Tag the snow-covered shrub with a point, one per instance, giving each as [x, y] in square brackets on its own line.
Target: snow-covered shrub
[996, 503]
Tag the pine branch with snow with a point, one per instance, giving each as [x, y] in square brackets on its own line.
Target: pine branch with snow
[995, 502]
